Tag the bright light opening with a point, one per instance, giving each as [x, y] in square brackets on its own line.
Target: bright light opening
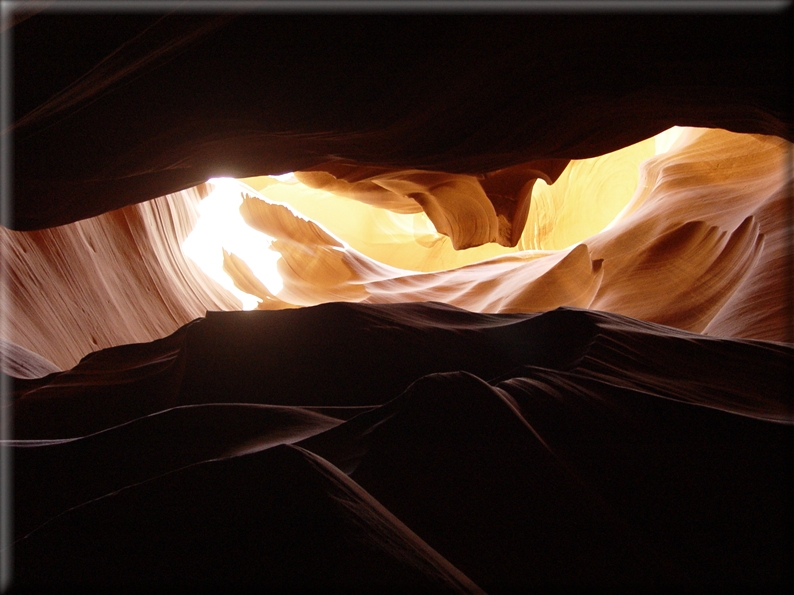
[410, 242]
[221, 227]
[287, 178]
[665, 140]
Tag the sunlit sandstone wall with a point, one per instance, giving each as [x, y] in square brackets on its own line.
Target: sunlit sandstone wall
[700, 234]
[702, 244]
[556, 219]
[117, 278]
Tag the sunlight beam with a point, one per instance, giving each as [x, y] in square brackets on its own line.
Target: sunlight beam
[220, 227]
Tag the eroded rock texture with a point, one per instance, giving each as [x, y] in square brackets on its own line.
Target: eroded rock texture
[693, 234]
[517, 342]
[694, 242]
[117, 278]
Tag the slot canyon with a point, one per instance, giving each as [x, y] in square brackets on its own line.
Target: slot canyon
[383, 301]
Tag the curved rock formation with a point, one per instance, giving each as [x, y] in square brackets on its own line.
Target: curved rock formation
[117, 278]
[470, 210]
[151, 104]
[698, 230]
[684, 243]
[433, 446]
[601, 398]
[694, 235]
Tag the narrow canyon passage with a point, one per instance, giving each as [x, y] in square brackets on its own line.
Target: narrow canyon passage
[396, 302]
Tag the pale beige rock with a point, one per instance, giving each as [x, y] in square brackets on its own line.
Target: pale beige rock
[762, 306]
[316, 268]
[19, 362]
[557, 217]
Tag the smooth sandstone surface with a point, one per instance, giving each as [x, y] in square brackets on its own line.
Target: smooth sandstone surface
[407, 446]
[694, 243]
[113, 279]
[395, 441]
[416, 303]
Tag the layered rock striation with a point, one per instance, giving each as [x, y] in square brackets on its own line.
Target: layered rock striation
[515, 340]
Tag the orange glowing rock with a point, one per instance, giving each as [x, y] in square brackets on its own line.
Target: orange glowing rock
[694, 237]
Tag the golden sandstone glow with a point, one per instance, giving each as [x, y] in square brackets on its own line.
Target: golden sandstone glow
[665, 230]
[557, 218]
[685, 229]
[409, 241]
[592, 237]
